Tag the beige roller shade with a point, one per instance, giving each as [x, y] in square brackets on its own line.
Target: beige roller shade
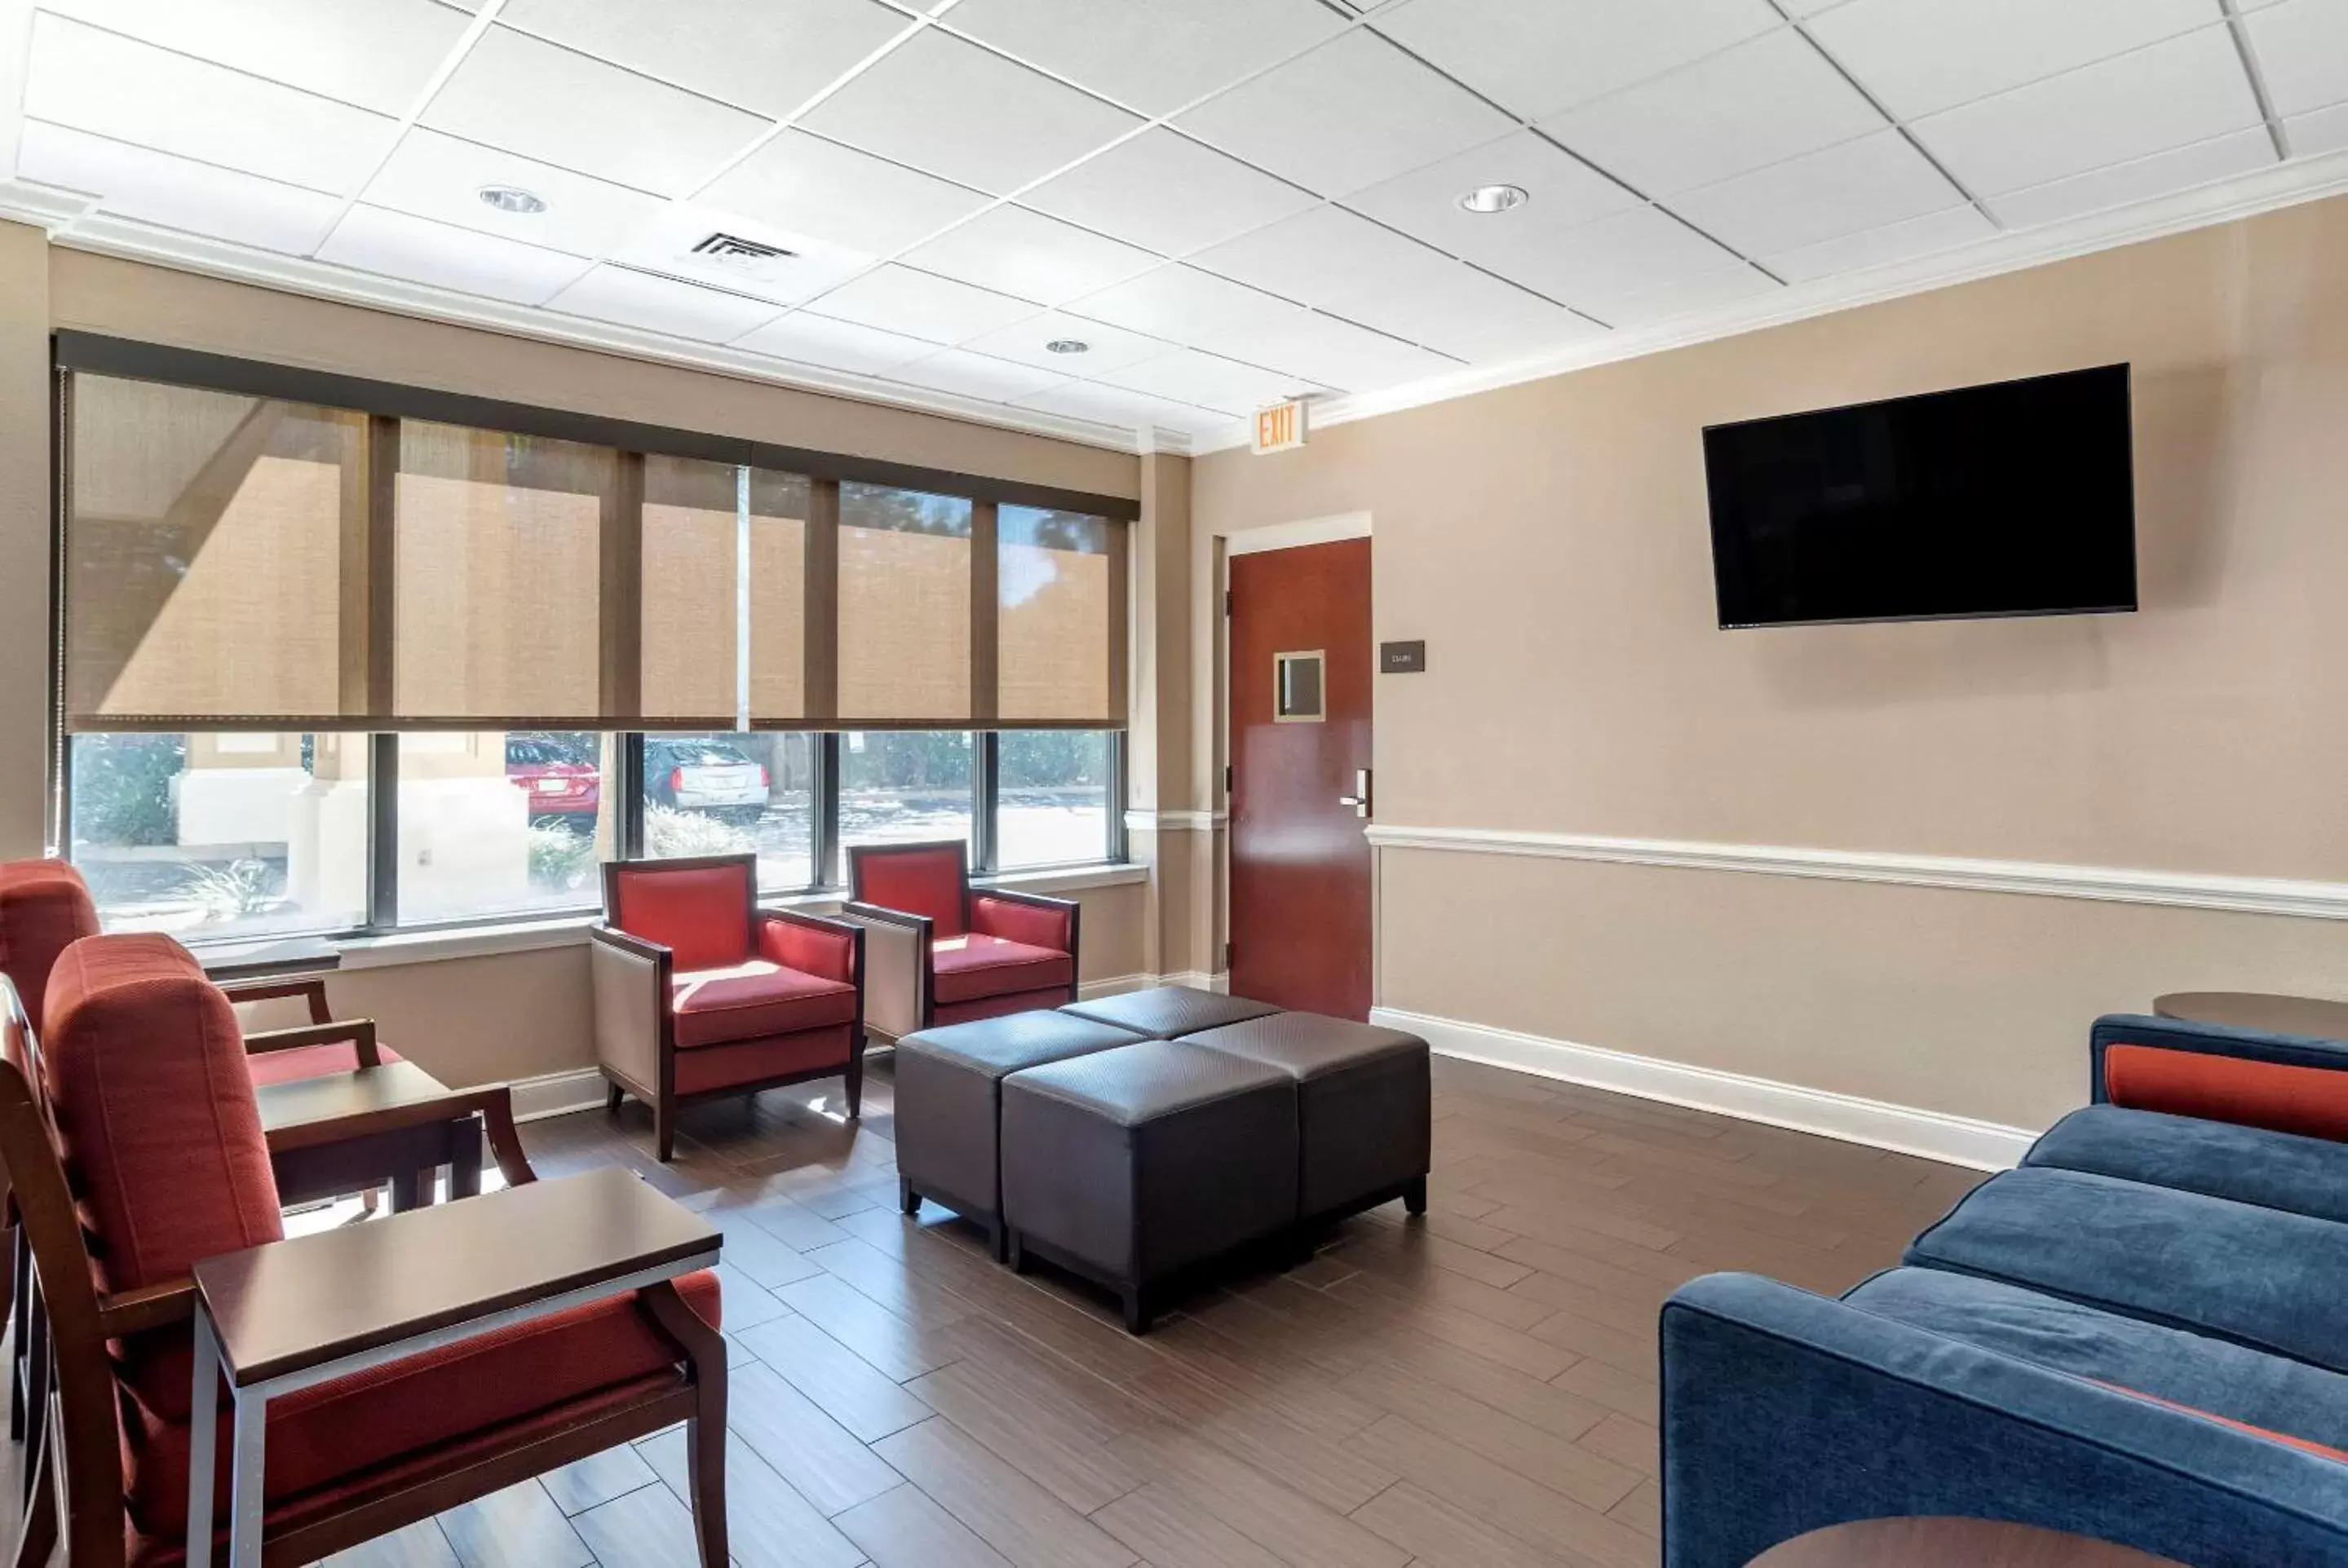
[779, 588]
[904, 607]
[690, 643]
[1057, 601]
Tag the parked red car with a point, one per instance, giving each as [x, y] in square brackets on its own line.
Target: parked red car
[562, 777]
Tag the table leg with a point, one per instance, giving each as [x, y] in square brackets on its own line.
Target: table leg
[244, 1518]
[465, 1160]
[203, 1423]
[404, 1193]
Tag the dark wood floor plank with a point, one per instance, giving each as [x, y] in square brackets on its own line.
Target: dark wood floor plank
[998, 1504]
[769, 1524]
[1292, 1527]
[1534, 1513]
[905, 1528]
[899, 1348]
[846, 1387]
[519, 1527]
[1175, 1529]
[806, 1448]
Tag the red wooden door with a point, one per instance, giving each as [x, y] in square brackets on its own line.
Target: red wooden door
[1300, 736]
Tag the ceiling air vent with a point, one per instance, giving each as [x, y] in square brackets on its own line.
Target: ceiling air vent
[732, 250]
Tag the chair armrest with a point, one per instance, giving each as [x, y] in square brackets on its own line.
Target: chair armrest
[2285, 1082]
[830, 950]
[312, 986]
[897, 968]
[629, 980]
[127, 1312]
[1028, 917]
[358, 1033]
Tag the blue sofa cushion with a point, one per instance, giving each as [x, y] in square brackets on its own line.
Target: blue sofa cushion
[2190, 1369]
[2271, 1280]
[2249, 1165]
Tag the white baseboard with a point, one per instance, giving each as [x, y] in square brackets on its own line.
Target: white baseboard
[1116, 985]
[1197, 980]
[1931, 1134]
[557, 1094]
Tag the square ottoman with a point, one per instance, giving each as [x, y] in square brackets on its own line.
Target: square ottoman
[1161, 1012]
[1128, 1167]
[949, 1105]
[1364, 1106]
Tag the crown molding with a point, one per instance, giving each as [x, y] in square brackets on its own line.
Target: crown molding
[2226, 201]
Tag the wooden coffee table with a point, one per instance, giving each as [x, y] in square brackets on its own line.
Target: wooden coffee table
[2255, 1009]
[1950, 1544]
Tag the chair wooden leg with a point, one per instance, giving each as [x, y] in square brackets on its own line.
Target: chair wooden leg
[612, 1095]
[704, 1431]
[664, 1131]
[856, 1086]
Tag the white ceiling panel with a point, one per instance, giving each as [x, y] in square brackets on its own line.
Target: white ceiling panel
[2179, 169]
[1686, 297]
[1943, 230]
[2325, 130]
[376, 240]
[1918, 57]
[1355, 111]
[1477, 317]
[945, 104]
[901, 299]
[1562, 191]
[2303, 51]
[140, 182]
[554, 104]
[766, 55]
[976, 375]
[442, 177]
[1328, 257]
[1346, 356]
[808, 267]
[376, 54]
[1209, 381]
[1774, 97]
[1016, 251]
[1154, 55]
[1864, 184]
[1616, 256]
[1106, 348]
[117, 87]
[1542, 59]
[1117, 407]
[837, 193]
[662, 305]
[1185, 305]
[811, 339]
[1167, 193]
[2185, 91]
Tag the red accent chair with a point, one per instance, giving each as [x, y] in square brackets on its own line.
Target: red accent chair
[698, 992]
[944, 952]
[138, 1089]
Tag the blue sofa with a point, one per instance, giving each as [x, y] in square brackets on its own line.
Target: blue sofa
[2139, 1335]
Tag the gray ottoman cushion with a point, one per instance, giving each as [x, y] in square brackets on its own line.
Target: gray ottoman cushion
[1364, 1102]
[949, 1099]
[1162, 1012]
[1132, 1164]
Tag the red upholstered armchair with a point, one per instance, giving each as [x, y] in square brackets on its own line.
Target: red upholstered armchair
[942, 952]
[699, 992]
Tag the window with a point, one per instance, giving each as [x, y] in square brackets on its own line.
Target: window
[221, 836]
[496, 822]
[1052, 797]
[728, 794]
[904, 786]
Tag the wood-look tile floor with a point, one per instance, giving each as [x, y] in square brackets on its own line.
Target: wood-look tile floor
[1474, 1390]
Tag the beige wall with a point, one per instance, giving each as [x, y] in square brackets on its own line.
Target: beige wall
[24, 537]
[1549, 542]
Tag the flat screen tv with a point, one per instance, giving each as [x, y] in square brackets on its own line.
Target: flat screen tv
[2016, 498]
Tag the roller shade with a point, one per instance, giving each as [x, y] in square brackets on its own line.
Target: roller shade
[904, 609]
[1059, 595]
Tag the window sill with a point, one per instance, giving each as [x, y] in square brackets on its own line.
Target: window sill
[399, 948]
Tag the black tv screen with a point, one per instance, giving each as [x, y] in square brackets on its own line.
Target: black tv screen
[2016, 498]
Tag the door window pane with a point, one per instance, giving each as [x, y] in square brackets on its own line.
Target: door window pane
[219, 836]
[727, 794]
[1052, 797]
[904, 604]
[498, 822]
[902, 786]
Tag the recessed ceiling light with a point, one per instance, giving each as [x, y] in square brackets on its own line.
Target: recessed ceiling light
[1494, 197]
[512, 198]
[1067, 345]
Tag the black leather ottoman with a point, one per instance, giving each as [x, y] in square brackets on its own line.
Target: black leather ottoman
[1364, 1106]
[1161, 1012]
[1128, 1167]
[949, 1105]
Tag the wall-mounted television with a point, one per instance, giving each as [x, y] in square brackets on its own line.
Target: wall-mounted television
[2015, 498]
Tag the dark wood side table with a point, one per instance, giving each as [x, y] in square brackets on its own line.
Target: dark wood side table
[2254, 1009]
[1950, 1544]
[346, 1131]
[277, 1319]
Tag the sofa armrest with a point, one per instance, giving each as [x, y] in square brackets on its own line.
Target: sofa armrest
[629, 986]
[830, 949]
[1785, 1412]
[2285, 1082]
[1028, 917]
[897, 968]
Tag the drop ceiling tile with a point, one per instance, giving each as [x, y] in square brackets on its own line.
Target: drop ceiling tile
[1542, 59]
[1167, 193]
[542, 101]
[662, 305]
[1016, 251]
[976, 375]
[1616, 256]
[155, 187]
[766, 55]
[1154, 55]
[1863, 184]
[2179, 169]
[1350, 358]
[1209, 381]
[1328, 257]
[376, 54]
[811, 339]
[441, 176]
[1774, 97]
[1121, 409]
[1106, 348]
[117, 87]
[945, 104]
[1935, 232]
[1686, 297]
[1918, 57]
[1474, 316]
[671, 243]
[2185, 91]
[1183, 304]
[418, 250]
[2303, 51]
[2325, 130]
[837, 193]
[1563, 192]
[901, 299]
[1352, 112]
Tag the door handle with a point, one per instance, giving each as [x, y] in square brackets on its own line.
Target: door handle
[1360, 799]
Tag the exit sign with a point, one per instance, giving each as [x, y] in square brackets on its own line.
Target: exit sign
[1280, 428]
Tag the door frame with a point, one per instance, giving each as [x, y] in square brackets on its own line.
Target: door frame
[1226, 543]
